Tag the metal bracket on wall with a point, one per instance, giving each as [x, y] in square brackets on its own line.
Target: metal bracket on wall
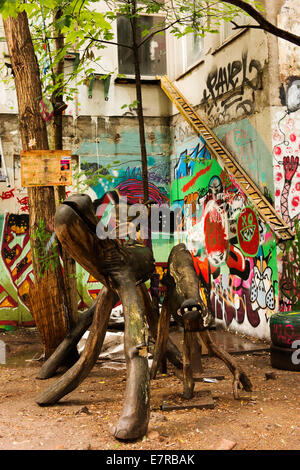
[96, 76]
[266, 211]
[3, 177]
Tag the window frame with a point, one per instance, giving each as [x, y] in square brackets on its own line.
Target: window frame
[144, 77]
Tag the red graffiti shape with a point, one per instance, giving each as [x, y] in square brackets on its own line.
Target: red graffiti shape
[277, 150]
[295, 201]
[290, 165]
[215, 235]
[7, 194]
[23, 201]
[279, 177]
[194, 179]
[248, 232]
[293, 137]
[236, 259]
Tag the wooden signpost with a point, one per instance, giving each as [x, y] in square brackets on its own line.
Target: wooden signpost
[46, 168]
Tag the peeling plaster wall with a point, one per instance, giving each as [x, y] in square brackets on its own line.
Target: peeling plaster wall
[111, 143]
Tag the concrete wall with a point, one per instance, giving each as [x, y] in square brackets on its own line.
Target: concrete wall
[110, 143]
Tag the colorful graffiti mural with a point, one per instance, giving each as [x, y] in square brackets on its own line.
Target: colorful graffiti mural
[286, 151]
[125, 178]
[234, 253]
[17, 273]
[289, 272]
[16, 267]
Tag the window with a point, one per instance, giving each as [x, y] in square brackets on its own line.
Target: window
[226, 30]
[152, 52]
[188, 51]
[194, 49]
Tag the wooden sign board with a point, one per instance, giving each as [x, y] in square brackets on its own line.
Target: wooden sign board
[46, 168]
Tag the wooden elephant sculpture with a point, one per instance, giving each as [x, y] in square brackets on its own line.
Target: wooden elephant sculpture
[122, 268]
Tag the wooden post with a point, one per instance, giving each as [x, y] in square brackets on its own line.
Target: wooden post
[162, 338]
[69, 264]
[41, 200]
[134, 420]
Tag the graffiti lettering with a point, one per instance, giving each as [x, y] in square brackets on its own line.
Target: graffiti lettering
[24, 203]
[136, 172]
[226, 87]
[7, 194]
[284, 333]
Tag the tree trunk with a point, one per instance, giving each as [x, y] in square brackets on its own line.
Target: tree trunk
[60, 191]
[41, 199]
[140, 113]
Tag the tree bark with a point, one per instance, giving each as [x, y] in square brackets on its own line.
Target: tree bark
[60, 191]
[140, 113]
[41, 199]
[262, 22]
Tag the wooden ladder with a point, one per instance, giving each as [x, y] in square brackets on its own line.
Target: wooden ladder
[226, 160]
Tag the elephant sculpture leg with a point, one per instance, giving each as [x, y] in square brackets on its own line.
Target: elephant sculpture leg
[120, 268]
[186, 305]
[136, 411]
[57, 359]
[79, 371]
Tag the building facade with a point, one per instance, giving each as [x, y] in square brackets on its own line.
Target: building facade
[245, 84]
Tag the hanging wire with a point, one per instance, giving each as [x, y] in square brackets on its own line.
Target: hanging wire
[285, 142]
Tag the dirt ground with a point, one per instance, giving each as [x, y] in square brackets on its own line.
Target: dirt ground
[266, 419]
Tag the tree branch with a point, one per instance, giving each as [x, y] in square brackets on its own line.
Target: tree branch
[108, 42]
[263, 23]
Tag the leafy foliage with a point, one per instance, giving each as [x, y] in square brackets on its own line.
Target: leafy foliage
[86, 31]
[85, 178]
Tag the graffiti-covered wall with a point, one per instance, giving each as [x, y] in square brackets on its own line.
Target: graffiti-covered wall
[286, 155]
[234, 252]
[113, 149]
[109, 146]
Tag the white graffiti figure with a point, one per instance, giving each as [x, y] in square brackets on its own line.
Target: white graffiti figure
[262, 294]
